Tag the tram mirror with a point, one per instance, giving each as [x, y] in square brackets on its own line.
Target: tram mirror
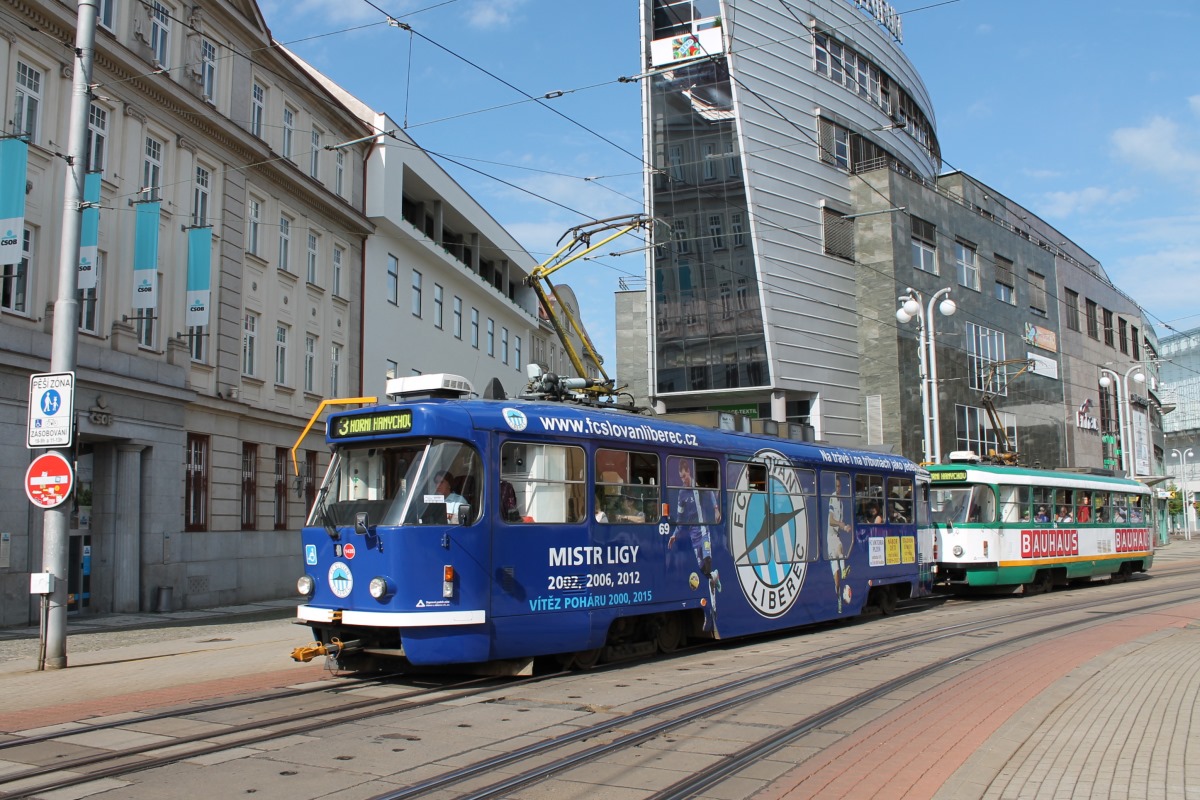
[361, 524]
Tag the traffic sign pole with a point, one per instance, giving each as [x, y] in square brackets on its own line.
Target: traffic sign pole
[65, 339]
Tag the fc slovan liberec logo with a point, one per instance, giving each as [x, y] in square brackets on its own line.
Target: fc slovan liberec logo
[768, 536]
[515, 418]
[341, 580]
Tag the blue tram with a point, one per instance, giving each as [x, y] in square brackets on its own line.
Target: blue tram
[451, 530]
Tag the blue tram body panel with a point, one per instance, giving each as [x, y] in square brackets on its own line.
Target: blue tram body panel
[764, 555]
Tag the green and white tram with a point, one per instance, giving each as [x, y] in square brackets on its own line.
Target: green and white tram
[1012, 526]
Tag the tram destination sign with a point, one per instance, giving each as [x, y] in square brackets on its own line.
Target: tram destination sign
[51, 410]
[390, 421]
[946, 476]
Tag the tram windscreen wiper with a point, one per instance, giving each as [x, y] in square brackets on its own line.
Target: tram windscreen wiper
[324, 515]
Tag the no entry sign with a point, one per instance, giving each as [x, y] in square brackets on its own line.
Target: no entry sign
[48, 481]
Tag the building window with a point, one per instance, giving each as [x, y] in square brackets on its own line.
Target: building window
[1109, 335]
[517, 352]
[29, 101]
[281, 354]
[391, 369]
[457, 318]
[491, 337]
[985, 347]
[733, 160]
[736, 229]
[254, 226]
[250, 344]
[1093, 324]
[152, 168]
[1137, 345]
[281, 464]
[679, 234]
[716, 231]
[289, 131]
[475, 328]
[1037, 291]
[339, 173]
[314, 156]
[89, 310]
[1123, 335]
[416, 293]
[335, 369]
[675, 161]
[310, 362]
[200, 195]
[338, 254]
[1072, 312]
[195, 487]
[143, 321]
[966, 264]
[104, 14]
[1006, 287]
[924, 245]
[14, 278]
[97, 138]
[249, 485]
[708, 160]
[208, 70]
[504, 345]
[160, 34]
[258, 109]
[314, 248]
[393, 279]
[437, 306]
[839, 234]
[974, 430]
[285, 243]
[196, 338]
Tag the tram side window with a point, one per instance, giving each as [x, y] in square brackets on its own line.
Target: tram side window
[1014, 503]
[1083, 506]
[1135, 508]
[1120, 508]
[1043, 505]
[868, 499]
[694, 490]
[548, 481]
[448, 489]
[835, 509]
[1064, 506]
[626, 487]
[1100, 507]
[899, 501]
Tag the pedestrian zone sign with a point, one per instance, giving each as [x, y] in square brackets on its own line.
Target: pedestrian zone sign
[51, 410]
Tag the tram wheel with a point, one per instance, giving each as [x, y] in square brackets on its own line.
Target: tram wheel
[587, 659]
[1042, 582]
[670, 633]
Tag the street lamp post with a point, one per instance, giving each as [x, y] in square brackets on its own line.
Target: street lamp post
[1124, 424]
[1187, 520]
[912, 307]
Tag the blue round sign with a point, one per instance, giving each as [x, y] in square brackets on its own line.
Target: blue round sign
[51, 402]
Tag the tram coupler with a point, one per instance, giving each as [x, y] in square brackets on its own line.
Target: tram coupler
[334, 648]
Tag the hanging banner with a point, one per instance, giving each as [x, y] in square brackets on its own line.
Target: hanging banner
[89, 236]
[14, 155]
[145, 256]
[198, 278]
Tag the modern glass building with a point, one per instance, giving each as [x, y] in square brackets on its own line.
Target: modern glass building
[754, 113]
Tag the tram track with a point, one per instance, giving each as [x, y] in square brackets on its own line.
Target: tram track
[656, 719]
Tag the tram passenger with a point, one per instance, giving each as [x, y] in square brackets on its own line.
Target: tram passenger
[871, 515]
[453, 500]
[1042, 515]
[628, 511]
[600, 515]
[1064, 515]
[1085, 510]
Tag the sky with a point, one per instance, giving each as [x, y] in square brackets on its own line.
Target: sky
[1087, 112]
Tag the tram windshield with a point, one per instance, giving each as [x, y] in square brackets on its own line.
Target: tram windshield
[429, 482]
[966, 503]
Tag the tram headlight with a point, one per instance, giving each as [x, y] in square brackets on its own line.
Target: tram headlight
[305, 585]
[379, 588]
[958, 551]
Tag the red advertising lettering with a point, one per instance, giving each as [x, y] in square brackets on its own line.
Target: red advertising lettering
[1132, 540]
[1049, 544]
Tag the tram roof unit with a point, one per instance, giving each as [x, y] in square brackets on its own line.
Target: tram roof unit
[996, 473]
[416, 403]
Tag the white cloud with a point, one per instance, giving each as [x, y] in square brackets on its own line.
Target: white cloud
[1041, 174]
[493, 13]
[1158, 147]
[329, 12]
[1065, 204]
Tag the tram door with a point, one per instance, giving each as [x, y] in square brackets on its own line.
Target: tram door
[79, 572]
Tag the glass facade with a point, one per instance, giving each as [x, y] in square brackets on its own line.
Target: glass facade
[708, 323]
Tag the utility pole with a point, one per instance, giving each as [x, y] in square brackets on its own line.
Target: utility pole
[56, 521]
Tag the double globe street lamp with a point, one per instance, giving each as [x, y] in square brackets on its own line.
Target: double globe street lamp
[1185, 490]
[1120, 385]
[913, 306]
